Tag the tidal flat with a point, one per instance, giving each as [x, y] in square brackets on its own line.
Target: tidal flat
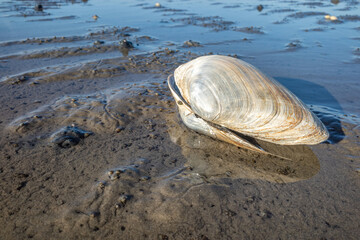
[92, 145]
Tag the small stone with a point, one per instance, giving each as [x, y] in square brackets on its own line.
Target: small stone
[119, 129]
[157, 5]
[95, 17]
[333, 18]
[101, 185]
[24, 124]
[260, 7]
[123, 199]
[39, 8]
[94, 214]
[97, 42]
[144, 178]
[114, 177]
[110, 173]
[327, 16]
[22, 78]
[126, 44]
[191, 43]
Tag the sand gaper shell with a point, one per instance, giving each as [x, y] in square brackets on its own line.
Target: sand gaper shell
[226, 94]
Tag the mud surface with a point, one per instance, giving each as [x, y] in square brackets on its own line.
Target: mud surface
[92, 146]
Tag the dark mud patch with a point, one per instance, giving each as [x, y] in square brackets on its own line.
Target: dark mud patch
[350, 18]
[111, 33]
[329, 22]
[294, 45]
[314, 4]
[171, 11]
[317, 29]
[299, 15]
[230, 42]
[281, 10]
[52, 19]
[305, 14]
[33, 8]
[251, 30]
[356, 52]
[191, 43]
[216, 3]
[232, 6]
[215, 23]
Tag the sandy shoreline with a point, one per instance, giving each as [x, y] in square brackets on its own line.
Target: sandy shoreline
[92, 147]
[175, 182]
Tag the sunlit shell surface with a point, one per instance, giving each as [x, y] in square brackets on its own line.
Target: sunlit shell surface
[219, 93]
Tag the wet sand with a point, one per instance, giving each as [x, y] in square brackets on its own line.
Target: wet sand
[92, 146]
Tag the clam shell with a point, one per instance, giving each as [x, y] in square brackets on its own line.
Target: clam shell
[219, 92]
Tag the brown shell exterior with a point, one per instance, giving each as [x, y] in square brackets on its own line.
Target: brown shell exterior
[234, 94]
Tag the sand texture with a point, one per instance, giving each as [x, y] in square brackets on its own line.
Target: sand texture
[92, 145]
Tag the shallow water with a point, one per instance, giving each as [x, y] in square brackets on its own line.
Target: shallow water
[323, 52]
[92, 146]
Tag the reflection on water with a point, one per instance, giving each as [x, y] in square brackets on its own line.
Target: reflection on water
[212, 158]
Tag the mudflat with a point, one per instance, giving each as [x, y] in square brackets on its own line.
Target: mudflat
[92, 146]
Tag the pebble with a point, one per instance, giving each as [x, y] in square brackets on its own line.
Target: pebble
[101, 185]
[119, 129]
[126, 44]
[157, 4]
[94, 214]
[97, 42]
[114, 177]
[39, 8]
[95, 17]
[260, 7]
[144, 178]
[191, 43]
